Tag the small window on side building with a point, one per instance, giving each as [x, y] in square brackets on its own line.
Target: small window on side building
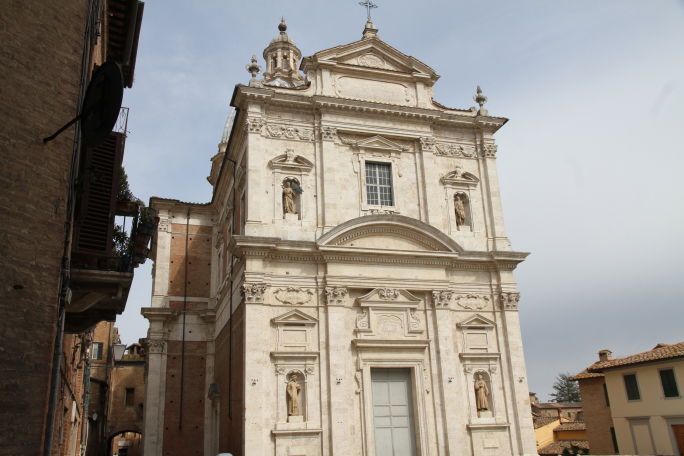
[669, 383]
[632, 387]
[605, 394]
[96, 351]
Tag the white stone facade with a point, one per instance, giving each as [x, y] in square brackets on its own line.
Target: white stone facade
[342, 286]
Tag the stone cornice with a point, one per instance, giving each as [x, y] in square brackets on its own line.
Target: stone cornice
[174, 204]
[311, 252]
[307, 101]
[158, 313]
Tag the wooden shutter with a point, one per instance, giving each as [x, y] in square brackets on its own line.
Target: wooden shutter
[99, 181]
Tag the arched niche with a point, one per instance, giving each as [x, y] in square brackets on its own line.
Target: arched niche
[295, 388]
[482, 391]
[462, 211]
[291, 197]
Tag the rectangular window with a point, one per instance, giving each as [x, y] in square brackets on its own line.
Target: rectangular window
[96, 350]
[632, 387]
[130, 396]
[379, 184]
[667, 379]
[605, 394]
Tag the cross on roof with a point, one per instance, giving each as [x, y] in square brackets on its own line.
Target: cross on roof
[368, 4]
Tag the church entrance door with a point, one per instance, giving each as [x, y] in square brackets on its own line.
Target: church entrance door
[393, 412]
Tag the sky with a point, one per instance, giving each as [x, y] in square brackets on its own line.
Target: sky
[589, 164]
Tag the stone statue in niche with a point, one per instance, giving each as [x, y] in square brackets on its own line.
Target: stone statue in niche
[481, 394]
[291, 190]
[293, 388]
[459, 208]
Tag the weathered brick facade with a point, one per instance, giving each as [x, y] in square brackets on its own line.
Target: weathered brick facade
[597, 415]
[48, 54]
[40, 89]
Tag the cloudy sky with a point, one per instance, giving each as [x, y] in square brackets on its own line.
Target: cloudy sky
[590, 163]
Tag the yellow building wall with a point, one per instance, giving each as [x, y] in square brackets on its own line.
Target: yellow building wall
[643, 421]
[544, 434]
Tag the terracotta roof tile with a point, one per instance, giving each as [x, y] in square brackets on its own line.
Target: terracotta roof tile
[542, 421]
[586, 374]
[558, 405]
[660, 352]
[556, 448]
[571, 426]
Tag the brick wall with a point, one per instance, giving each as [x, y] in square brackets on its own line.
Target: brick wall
[230, 378]
[596, 415]
[41, 51]
[184, 434]
[198, 262]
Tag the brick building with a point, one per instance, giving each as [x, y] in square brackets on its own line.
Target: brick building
[56, 285]
[638, 405]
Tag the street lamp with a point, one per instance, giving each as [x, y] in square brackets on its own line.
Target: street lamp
[118, 351]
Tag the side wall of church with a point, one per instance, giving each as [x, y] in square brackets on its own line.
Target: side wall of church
[179, 340]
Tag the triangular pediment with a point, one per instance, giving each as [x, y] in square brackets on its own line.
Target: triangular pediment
[372, 54]
[477, 321]
[388, 297]
[296, 317]
[379, 142]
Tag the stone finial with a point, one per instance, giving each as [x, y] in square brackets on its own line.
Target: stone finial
[369, 30]
[480, 99]
[282, 26]
[253, 68]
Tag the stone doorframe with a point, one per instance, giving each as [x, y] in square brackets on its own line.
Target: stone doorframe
[393, 354]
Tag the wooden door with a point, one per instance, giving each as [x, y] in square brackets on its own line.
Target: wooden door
[678, 431]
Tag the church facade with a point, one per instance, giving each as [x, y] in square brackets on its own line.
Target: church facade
[349, 289]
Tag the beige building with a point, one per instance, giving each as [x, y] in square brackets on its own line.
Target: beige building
[644, 395]
[349, 288]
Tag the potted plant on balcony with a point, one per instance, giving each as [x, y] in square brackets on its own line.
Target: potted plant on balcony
[126, 202]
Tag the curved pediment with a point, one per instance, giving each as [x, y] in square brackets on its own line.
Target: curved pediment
[389, 232]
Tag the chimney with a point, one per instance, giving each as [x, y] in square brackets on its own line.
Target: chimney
[533, 398]
[605, 355]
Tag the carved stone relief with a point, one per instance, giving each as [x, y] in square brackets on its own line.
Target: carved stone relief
[335, 295]
[282, 131]
[427, 144]
[363, 320]
[293, 295]
[254, 125]
[388, 293]
[254, 292]
[442, 298]
[415, 322]
[328, 133]
[509, 301]
[156, 346]
[454, 150]
[472, 301]
[489, 150]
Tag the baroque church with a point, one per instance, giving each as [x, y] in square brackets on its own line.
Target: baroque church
[349, 288]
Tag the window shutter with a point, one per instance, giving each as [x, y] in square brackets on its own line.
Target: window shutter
[99, 180]
[667, 379]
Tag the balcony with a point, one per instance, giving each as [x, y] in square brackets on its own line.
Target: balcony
[102, 269]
